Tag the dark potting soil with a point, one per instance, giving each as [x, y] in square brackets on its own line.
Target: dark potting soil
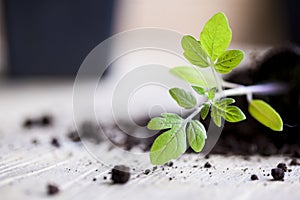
[74, 136]
[281, 64]
[294, 162]
[52, 189]
[120, 174]
[278, 174]
[254, 177]
[43, 121]
[207, 165]
[55, 142]
[282, 166]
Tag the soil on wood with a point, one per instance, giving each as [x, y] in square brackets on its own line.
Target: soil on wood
[250, 137]
[120, 174]
[52, 189]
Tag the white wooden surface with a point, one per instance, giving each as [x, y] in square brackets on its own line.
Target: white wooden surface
[26, 168]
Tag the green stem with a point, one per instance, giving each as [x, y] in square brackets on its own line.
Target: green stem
[217, 78]
[269, 88]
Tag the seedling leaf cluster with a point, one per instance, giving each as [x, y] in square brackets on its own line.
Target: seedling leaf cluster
[210, 51]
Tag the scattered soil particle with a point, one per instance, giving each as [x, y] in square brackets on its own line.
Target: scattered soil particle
[296, 153]
[147, 171]
[94, 179]
[55, 142]
[282, 166]
[154, 168]
[104, 177]
[278, 174]
[46, 120]
[52, 189]
[289, 170]
[294, 162]
[74, 136]
[207, 165]
[206, 156]
[170, 178]
[170, 164]
[120, 174]
[27, 123]
[90, 131]
[43, 121]
[34, 141]
[195, 166]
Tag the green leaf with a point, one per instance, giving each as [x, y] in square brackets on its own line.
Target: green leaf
[166, 121]
[224, 102]
[204, 110]
[220, 109]
[169, 145]
[183, 98]
[199, 90]
[234, 114]
[265, 114]
[228, 61]
[216, 116]
[211, 93]
[191, 75]
[216, 36]
[196, 134]
[193, 51]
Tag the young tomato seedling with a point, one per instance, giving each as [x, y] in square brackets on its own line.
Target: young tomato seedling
[209, 52]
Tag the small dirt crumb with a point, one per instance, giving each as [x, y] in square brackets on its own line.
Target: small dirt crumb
[296, 153]
[289, 170]
[154, 168]
[170, 178]
[147, 171]
[55, 142]
[104, 177]
[120, 174]
[46, 120]
[206, 156]
[52, 189]
[170, 164]
[254, 177]
[94, 179]
[34, 141]
[195, 166]
[282, 166]
[27, 123]
[74, 136]
[207, 165]
[294, 162]
[277, 173]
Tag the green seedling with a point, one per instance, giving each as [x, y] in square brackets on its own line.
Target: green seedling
[210, 51]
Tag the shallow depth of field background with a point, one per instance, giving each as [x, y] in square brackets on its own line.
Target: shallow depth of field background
[52, 37]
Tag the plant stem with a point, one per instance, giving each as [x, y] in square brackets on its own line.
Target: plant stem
[216, 76]
[193, 114]
[269, 88]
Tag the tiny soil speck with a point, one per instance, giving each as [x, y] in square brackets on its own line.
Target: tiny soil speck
[147, 171]
[207, 165]
[120, 174]
[52, 189]
[294, 162]
[55, 142]
[278, 174]
[282, 166]
[254, 177]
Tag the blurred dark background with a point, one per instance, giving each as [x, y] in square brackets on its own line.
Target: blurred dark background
[52, 37]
